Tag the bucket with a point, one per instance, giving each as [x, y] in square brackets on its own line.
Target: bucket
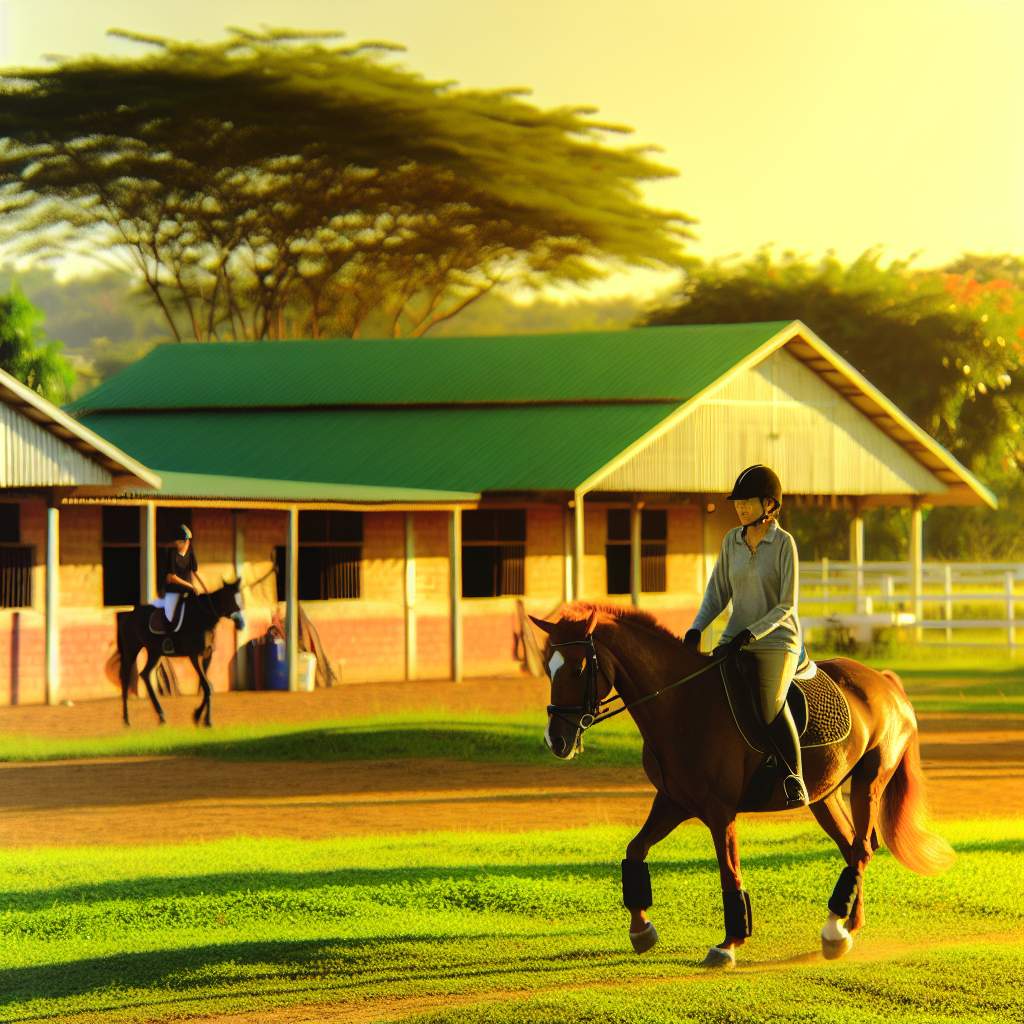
[306, 676]
[276, 666]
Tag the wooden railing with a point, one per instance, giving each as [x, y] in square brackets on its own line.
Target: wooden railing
[877, 594]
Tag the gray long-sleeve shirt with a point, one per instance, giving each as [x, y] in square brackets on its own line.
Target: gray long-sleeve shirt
[762, 586]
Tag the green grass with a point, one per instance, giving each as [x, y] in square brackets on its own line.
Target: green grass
[475, 736]
[526, 926]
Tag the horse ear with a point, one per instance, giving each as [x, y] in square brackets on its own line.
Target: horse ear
[592, 622]
[547, 627]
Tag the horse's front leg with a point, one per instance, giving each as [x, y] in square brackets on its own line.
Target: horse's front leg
[739, 920]
[664, 816]
[201, 662]
[152, 657]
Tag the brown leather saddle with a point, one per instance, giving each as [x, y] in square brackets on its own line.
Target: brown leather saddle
[820, 711]
[160, 626]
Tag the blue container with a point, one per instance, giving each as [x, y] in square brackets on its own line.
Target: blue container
[276, 675]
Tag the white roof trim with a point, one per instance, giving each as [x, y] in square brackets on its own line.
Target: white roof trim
[71, 432]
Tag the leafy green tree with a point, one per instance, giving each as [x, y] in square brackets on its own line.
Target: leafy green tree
[946, 346]
[27, 354]
[277, 184]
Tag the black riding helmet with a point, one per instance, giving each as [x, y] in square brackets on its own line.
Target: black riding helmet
[757, 482]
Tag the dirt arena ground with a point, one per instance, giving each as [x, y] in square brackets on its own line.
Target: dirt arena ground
[975, 768]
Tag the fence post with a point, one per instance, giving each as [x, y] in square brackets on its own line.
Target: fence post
[824, 586]
[947, 582]
[889, 590]
[1010, 638]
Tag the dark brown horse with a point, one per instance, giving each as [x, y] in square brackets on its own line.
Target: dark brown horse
[193, 640]
[701, 767]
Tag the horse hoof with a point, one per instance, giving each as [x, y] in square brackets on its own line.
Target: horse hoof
[723, 959]
[833, 949]
[645, 940]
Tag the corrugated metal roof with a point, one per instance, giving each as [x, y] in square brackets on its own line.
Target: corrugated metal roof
[653, 364]
[498, 448]
[78, 441]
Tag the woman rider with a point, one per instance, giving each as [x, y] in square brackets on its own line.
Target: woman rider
[757, 570]
[179, 570]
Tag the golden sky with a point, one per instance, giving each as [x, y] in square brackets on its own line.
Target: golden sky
[810, 124]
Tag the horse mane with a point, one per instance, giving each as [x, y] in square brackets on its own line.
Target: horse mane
[613, 614]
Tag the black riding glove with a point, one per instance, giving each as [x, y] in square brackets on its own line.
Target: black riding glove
[692, 638]
[738, 642]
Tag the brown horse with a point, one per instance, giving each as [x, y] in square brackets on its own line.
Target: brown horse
[700, 765]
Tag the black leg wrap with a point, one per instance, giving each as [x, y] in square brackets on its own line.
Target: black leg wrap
[636, 885]
[739, 918]
[845, 892]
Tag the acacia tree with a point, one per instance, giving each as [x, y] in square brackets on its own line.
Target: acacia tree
[276, 183]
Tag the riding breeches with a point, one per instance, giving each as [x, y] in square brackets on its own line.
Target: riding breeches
[168, 603]
[774, 672]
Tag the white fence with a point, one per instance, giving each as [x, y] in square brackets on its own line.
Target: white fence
[874, 596]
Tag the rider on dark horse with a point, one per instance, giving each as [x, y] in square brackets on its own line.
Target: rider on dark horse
[177, 574]
[757, 570]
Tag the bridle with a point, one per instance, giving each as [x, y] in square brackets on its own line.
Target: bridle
[594, 711]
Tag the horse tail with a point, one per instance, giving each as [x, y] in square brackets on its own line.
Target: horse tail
[112, 669]
[890, 675]
[902, 819]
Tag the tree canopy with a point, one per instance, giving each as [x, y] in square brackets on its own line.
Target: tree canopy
[278, 183]
[945, 347]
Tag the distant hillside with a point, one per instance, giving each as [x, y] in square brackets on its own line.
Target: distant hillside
[105, 323]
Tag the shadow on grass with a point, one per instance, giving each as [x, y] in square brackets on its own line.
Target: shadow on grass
[256, 883]
[498, 742]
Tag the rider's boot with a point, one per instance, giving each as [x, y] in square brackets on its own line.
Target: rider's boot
[785, 735]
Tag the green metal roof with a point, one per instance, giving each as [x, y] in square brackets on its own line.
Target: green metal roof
[651, 364]
[497, 448]
[205, 486]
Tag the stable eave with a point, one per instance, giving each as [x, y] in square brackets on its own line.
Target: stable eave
[122, 467]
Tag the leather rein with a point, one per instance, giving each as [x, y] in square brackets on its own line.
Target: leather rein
[593, 711]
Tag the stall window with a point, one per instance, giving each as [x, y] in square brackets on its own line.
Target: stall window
[653, 550]
[493, 552]
[330, 557]
[15, 560]
[122, 555]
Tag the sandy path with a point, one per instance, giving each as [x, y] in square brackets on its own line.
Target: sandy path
[975, 767]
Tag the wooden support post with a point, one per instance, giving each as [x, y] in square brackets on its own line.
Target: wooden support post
[857, 557]
[240, 670]
[635, 552]
[578, 547]
[455, 589]
[149, 584]
[292, 599]
[567, 561]
[917, 563]
[410, 597]
[52, 638]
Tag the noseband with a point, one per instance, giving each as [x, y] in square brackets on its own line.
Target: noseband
[594, 711]
[589, 712]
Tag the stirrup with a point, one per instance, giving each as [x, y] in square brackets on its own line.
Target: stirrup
[795, 791]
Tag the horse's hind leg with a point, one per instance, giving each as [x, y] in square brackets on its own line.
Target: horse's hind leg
[664, 816]
[834, 817]
[201, 663]
[152, 657]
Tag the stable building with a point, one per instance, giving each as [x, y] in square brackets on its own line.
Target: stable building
[411, 493]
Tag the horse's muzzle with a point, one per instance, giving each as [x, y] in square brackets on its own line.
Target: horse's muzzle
[238, 619]
[563, 746]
